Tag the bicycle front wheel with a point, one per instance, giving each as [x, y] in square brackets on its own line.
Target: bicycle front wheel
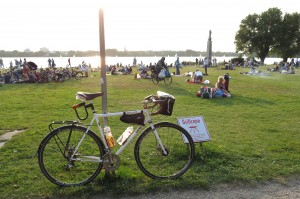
[67, 76]
[152, 160]
[168, 80]
[155, 78]
[55, 156]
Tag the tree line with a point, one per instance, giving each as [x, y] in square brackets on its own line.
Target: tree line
[112, 53]
[270, 32]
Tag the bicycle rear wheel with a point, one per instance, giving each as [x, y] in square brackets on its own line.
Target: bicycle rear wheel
[151, 159]
[168, 80]
[56, 149]
[78, 75]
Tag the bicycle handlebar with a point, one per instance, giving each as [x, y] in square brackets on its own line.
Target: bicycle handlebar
[156, 101]
[150, 101]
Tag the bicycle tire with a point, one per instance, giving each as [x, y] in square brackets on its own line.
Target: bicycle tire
[58, 78]
[168, 80]
[150, 158]
[47, 78]
[154, 78]
[67, 76]
[78, 75]
[54, 156]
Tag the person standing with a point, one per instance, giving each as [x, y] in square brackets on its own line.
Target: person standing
[53, 63]
[1, 63]
[69, 62]
[177, 66]
[49, 63]
[134, 61]
[205, 65]
[11, 65]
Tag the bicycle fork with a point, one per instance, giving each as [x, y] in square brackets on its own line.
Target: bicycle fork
[160, 146]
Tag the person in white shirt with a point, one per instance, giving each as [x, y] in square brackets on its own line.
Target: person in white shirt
[197, 76]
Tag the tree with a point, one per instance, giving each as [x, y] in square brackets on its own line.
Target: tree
[257, 33]
[288, 39]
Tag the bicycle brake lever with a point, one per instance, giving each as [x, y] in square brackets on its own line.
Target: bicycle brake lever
[148, 97]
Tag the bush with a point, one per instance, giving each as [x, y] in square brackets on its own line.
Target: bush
[238, 60]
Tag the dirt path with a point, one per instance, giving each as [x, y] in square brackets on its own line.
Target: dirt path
[7, 136]
[284, 189]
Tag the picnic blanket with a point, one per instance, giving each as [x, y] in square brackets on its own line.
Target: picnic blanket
[204, 82]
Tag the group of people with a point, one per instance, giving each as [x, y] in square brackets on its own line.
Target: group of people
[178, 65]
[221, 88]
[51, 63]
[26, 74]
[115, 70]
[83, 67]
[285, 67]
[197, 77]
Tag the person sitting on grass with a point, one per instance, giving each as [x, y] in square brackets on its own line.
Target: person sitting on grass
[220, 89]
[113, 70]
[197, 77]
[144, 74]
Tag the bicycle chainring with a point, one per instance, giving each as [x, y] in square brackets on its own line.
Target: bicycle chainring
[113, 164]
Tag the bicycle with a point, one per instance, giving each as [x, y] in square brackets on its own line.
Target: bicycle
[73, 155]
[155, 78]
[50, 75]
[68, 73]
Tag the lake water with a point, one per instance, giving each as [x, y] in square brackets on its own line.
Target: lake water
[42, 62]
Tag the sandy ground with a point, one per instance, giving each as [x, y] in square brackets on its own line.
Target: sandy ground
[282, 189]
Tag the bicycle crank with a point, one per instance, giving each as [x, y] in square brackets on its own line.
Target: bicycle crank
[111, 164]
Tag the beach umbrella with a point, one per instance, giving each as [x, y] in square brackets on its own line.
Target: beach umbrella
[32, 65]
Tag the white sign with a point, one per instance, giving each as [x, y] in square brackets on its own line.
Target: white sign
[196, 127]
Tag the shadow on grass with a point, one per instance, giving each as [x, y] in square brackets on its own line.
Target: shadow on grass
[210, 167]
[242, 99]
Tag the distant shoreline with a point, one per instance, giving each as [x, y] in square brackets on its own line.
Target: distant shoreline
[94, 61]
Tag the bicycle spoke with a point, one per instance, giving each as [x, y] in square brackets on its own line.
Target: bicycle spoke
[57, 163]
[156, 163]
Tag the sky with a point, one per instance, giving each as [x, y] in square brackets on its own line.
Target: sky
[64, 25]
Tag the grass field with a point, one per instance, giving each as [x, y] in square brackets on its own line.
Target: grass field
[255, 133]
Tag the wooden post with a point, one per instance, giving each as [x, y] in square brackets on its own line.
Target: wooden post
[103, 66]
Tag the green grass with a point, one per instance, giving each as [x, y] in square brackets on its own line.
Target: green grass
[255, 133]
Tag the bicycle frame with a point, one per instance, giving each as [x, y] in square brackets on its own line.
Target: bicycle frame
[96, 117]
[78, 148]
